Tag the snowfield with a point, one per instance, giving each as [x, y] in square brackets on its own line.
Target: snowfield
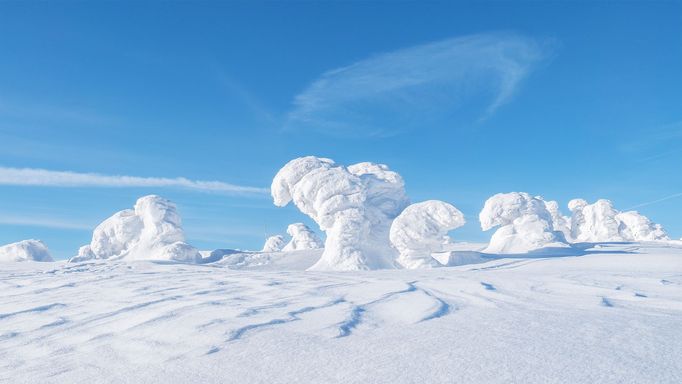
[611, 314]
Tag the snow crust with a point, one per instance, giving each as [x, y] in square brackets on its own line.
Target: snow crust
[302, 238]
[421, 229]
[274, 243]
[601, 222]
[151, 230]
[525, 224]
[25, 250]
[353, 205]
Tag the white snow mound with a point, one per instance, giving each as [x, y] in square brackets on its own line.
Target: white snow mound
[25, 250]
[152, 230]
[601, 222]
[353, 205]
[421, 229]
[524, 223]
[274, 244]
[302, 237]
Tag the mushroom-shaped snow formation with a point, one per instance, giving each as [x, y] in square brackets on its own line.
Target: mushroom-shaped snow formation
[637, 227]
[421, 229]
[525, 224]
[354, 206]
[25, 250]
[274, 244]
[302, 237]
[151, 230]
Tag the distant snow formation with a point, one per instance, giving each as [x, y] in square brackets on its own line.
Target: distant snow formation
[601, 222]
[421, 229]
[302, 237]
[525, 224]
[274, 243]
[152, 230]
[25, 250]
[353, 205]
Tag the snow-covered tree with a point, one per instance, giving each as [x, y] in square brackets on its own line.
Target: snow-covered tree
[152, 230]
[524, 224]
[302, 237]
[353, 205]
[421, 229]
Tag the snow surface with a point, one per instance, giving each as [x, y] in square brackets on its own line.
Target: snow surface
[25, 250]
[302, 238]
[612, 314]
[353, 205]
[152, 230]
[525, 224]
[421, 229]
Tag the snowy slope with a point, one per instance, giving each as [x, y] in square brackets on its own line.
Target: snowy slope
[612, 315]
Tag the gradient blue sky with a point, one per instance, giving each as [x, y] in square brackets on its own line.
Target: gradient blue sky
[559, 99]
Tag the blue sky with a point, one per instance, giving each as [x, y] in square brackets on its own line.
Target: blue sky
[559, 99]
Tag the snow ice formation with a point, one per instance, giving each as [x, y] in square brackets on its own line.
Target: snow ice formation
[421, 229]
[151, 230]
[601, 222]
[353, 205]
[525, 224]
[302, 238]
[25, 250]
[274, 244]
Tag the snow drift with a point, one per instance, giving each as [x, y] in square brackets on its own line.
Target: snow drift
[302, 237]
[152, 230]
[421, 229]
[25, 250]
[524, 224]
[601, 222]
[353, 205]
[274, 243]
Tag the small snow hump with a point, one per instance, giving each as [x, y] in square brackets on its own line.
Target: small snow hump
[25, 250]
[421, 229]
[152, 230]
[525, 224]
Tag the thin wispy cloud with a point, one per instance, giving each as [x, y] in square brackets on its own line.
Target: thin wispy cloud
[660, 200]
[47, 178]
[407, 88]
[43, 222]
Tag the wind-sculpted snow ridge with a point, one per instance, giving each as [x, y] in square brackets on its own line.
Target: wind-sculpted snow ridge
[274, 243]
[421, 229]
[302, 238]
[353, 205]
[25, 250]
[152, 230]
[524, 223]
[601, 222]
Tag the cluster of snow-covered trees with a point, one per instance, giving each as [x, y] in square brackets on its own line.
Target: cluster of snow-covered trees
[368, 221]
